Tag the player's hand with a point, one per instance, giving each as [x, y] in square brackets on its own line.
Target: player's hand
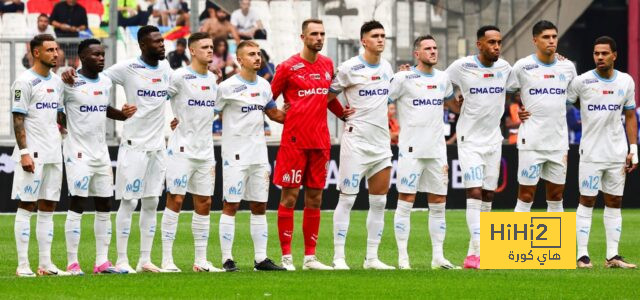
[286, 107]
[128, 110]
[523, 114]
[404, 67]
[63, 131]
[68, 76]
[174, 123]
[460, 99]
[629, 166]
[218, 74]
[27, 163]
[348, 111]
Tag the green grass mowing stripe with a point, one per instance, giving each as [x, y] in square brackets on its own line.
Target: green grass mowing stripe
[419, 283]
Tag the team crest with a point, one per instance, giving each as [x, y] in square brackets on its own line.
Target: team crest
[327, 76]
[499, 74]
[620, 93]
[562, 77]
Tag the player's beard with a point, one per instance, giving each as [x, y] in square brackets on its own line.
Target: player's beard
[48, 64]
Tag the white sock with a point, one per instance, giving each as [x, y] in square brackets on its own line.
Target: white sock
[123, 228]
[226, 232]
[522, 206]
[613, 228]
[486, 206]
[148, 221]
[473, 222]
[437, 229]
[200, 230]
[402, 227]
[341, 223]
[169, 225]
[259, 234]
[44, 235]
[554, 206]
[72, 235]
[583, 228]
[102, 231]
[22, 232]
[375, 224]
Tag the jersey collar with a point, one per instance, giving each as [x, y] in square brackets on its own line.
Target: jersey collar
[206, 75]
[40, 76]
[535, 58]
[475, 57]
[615, 74]
[247, 82]
[366, 63]
[423, 73]
[146, 65]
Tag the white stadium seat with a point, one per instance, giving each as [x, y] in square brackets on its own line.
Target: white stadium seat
[93, 20]
[351, 27]
[14, 25]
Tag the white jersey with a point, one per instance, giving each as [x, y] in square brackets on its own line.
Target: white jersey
[39, 99]
[601, 104]
[146, 87]
[420, 98]
[85, 104]
[543, 90]
[483, 89]
[242, 105]
[193, 99]
[366, 88]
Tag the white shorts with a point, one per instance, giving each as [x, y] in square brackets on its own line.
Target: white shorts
[84, 180]
[195, 176]
[480, 165]
[249, 183]
[597, 176]
[139, 173]
[550, 165]
[45, 183]
[429, 175]
[352, 171]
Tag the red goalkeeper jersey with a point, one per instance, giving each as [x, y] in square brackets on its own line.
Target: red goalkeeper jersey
[305, 87]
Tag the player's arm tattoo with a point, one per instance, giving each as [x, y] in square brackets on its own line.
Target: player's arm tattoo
[275, 115]
[62, 119]
[115, 114]
[18, 128]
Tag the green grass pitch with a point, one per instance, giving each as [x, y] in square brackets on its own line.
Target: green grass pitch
[422, 282]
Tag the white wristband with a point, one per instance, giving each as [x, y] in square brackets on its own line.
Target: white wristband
[24, 151]
[633, 149]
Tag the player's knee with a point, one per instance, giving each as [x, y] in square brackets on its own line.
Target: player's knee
[46, 205]
[346, 201]
[474, 193]
[587, 201]
[230, 209]
[407, 197]
[613, 201]
[102, 204]
[258, 208]
[526, 193]
[288, 198]
[149, 204]
[76, 204]
[28, 206]
[488, 196]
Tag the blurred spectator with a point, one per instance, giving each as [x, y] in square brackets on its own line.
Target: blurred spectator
[218, 26]
[450, 121]
[267, 129]
[178, 56]
[129, 13]
[267, 68]
[11, 6]
[512, 122]
[574, 124]
[222, 60]
[42, 27]
[394, 126]
[68, 18]
[247, 23]
[166, 11]
[209, 10]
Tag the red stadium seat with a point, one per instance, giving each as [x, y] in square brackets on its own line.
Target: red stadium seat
[92, 6]
[41, 6]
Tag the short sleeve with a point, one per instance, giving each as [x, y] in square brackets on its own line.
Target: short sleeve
[396, 87]
[630, 95]
[448, 90]
[279, 81]
[453, 71]
[513, 82]
[117, 73]
[220, 101]
[174, 84]
[21, 97]
[340, 80]
[573, 91]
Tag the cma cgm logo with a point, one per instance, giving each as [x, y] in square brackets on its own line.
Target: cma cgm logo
[250, 108]
[546, 91]
[374, 92]
[426, 102]
[204, 103]
[318, 91]
[93, 108]
[605, 107]
[151, 93]
[47, 105]
[486, 90]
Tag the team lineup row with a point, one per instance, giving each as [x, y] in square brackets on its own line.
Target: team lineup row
[47, 107]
